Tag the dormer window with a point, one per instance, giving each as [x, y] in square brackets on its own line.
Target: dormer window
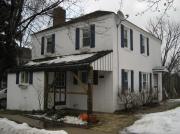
[86, 39]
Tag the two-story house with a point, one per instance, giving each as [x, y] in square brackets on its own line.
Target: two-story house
[85, 63]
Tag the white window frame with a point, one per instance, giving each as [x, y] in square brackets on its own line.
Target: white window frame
[144, 43]
[24, 79]
[146, 81]
[87, 28]
[127, 35]
[128, 78]
[46, 42]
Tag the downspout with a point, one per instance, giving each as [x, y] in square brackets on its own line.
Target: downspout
[119, 19]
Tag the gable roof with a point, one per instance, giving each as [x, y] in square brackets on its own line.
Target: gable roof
[91, 15]
[95, 14]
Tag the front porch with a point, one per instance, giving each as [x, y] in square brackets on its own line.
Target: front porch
[79, 81]
[82, 89]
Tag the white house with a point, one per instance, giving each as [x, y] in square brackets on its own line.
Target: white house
[122, 56]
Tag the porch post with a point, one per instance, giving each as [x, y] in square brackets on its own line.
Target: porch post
[45, 90]
[89, 91]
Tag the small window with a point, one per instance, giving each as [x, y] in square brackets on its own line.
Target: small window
[49, 44]
[86, 37]
[24, 77]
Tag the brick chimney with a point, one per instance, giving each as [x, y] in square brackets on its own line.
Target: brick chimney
[59, 16]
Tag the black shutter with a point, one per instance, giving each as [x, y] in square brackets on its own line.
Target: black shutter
[30, 77]
[92, 36]
[150, 82]
[147, 46]
[122, 79]
[53, 43]
[95, 77]
[131, 39]
[140, 81]
[77, 38]
[132, 81]
[122, 35]
[141, 43]
[74, 79]
[17, 77]
[42, 45]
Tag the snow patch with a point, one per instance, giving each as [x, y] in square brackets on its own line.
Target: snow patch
[73, 120]
[167, 122]
[69, 58]
[11, 127]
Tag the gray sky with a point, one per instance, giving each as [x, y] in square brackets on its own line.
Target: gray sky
[131, 7]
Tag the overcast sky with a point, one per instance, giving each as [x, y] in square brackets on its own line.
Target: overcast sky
[130, 7]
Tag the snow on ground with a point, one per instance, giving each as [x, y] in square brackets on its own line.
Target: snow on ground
[11, 127]
[167, 122]
[66, 119]
[73, 120]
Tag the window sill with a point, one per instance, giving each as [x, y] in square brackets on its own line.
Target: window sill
[23, 85]
[127, 49]
[145, 55]
[85, 49]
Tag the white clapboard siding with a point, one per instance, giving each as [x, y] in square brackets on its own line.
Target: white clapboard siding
[104, 63]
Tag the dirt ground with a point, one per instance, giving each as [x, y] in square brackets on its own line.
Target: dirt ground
[108, 123]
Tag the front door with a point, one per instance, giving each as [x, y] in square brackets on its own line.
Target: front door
[60, 88]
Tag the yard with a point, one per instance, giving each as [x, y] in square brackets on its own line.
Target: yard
[110, 123]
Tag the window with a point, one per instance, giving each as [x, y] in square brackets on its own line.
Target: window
[84, 77]
[24, 77]
[126, 80]
[86, 40]
[49, 44]
[143, 44]
[60, 79]
[126, 37]
[144, 80]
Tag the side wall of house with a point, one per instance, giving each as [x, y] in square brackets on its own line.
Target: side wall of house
[65, 37]
[133, 60]
[27, 99]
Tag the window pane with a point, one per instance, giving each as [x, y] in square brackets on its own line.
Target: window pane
[125, 38]
[125, 80]
[86, 37]
[49, 44]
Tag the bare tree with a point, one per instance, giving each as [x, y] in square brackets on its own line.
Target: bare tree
[169, 33]
[19, 19]
[161, 6]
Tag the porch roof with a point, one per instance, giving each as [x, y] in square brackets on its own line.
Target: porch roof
[66, 62]
[160, 69]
